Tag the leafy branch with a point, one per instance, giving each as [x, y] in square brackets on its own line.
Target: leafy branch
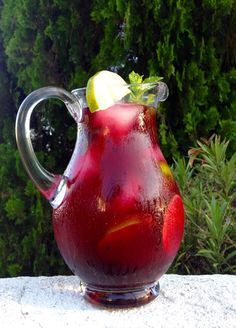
[208, 185]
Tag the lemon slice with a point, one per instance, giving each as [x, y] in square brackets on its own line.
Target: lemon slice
[104, 89]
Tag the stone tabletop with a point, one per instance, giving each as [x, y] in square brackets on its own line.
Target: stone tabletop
[185, 301]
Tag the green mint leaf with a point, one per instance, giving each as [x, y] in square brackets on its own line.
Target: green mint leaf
[151, 79]
[139, 92]
[135, 78]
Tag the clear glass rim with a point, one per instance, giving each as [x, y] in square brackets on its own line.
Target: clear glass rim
[145, 84]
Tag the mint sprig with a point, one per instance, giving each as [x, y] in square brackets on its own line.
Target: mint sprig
[135, 78]
[141, 93]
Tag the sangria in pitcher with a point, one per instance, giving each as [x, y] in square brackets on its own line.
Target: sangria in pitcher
[118, 216]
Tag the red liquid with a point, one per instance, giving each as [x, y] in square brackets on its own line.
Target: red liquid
[121, 222]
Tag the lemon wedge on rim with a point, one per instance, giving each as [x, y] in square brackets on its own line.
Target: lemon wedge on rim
[104, 89]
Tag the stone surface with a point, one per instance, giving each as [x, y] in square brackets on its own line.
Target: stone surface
[184, 301]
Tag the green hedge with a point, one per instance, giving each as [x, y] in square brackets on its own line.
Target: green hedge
[192, 44]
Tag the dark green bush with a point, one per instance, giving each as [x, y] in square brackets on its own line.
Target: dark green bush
[192, 44]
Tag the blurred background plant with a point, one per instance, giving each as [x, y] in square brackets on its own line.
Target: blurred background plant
[207, 181]
[192, 44]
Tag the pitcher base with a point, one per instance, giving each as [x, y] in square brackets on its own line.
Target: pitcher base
[123, 298]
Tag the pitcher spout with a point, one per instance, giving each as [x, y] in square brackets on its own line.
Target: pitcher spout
[162, 91]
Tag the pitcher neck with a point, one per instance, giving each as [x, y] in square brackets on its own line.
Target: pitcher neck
[120, 120]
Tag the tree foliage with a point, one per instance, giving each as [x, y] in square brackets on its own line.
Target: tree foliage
[192, 44]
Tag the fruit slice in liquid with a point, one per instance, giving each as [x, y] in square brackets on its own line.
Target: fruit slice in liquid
[173, 225]
[125, 244]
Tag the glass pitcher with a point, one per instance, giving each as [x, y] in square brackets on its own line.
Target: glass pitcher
[118, 216]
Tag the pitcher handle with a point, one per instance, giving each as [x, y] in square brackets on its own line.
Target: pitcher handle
[46, 182]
